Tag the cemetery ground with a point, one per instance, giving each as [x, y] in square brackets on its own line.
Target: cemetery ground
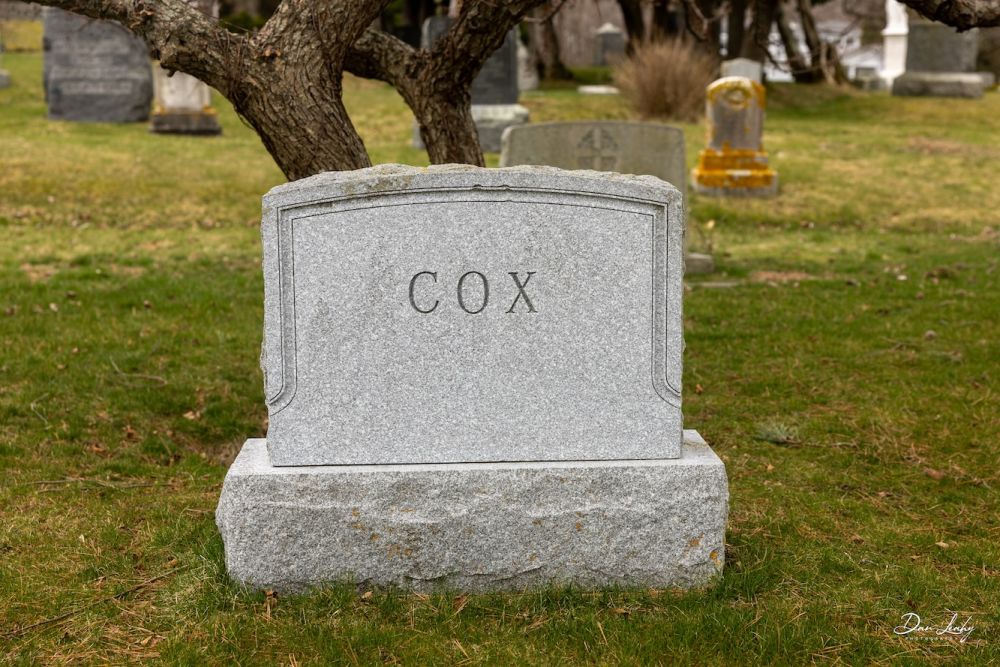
[844, 362]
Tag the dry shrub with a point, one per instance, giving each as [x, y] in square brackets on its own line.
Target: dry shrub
[667, 79]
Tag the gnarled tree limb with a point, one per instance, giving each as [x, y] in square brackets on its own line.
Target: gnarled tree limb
[961, 14]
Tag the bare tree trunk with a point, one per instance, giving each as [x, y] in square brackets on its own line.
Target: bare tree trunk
[823, 56]
[801, 70]
[754, 44]
[544, 43]
[665, 24]
[736, 24]
[634, 25]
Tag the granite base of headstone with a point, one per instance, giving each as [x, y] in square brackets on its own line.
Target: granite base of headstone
[94, 70]
[651, 149]
[940, 62]
[183, 106]
[734, 162]
[446, 411]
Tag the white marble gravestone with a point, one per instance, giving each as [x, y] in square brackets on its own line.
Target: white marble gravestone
[750, 69]
[473, 380]
[183, 104]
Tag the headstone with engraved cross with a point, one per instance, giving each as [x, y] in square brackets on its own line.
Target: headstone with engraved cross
[606, 145]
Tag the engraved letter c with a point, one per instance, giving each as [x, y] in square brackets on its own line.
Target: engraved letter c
[413, 281]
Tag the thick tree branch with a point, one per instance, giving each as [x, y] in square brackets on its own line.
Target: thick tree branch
[961, 14]
[178, 35]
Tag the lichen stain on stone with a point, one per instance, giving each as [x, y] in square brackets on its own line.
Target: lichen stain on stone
[579, 526]
[375, 537]
[695, 541]
[714, 555]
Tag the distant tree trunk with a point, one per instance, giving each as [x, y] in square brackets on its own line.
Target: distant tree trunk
[634, 24]
[665, 23]
[823, 56]
[544, 43]
[736, 28]
[711, 42]
[754, 44]
[801, 70]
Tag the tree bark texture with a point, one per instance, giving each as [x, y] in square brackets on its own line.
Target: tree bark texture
[736, 28]
[286, 79]
[634, 24]
[544, 43]
[755, 42]
[800, 68]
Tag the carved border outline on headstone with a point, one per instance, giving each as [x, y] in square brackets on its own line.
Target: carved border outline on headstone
[279, 231]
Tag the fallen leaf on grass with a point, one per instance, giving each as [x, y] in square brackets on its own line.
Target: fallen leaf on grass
[943, 545]
[934, 474]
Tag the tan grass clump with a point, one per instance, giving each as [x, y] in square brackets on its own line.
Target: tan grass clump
[666, 79]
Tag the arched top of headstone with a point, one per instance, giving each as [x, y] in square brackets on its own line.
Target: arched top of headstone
[736, 92]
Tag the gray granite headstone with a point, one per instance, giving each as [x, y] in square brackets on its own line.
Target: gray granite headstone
[515, 317]
[94, 70]
[940, 62]
[936, 47]
[609, 45]
[488, 361]
[607, 145]
[496, 82]
[604, 145]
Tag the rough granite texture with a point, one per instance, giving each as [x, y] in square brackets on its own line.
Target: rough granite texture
[936, 47]
[382, 345]
[94, 70]
[476, 527]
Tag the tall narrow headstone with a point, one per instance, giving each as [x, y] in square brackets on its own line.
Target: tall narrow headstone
[940, 62]
[94, 70]
[473, 381]
[646, 149]
[609, 44]
[734, 162]
[494, 91]
[183, 103]
[894, 41]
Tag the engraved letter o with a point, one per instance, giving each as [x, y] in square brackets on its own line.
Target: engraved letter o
[413, 282]
[486, 292]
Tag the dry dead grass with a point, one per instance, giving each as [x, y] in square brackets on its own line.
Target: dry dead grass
[667, 79]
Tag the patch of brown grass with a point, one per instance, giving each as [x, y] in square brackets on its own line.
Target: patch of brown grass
[667, 79]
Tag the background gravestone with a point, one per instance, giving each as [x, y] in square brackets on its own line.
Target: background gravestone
[183, 104]
[750, 69]
[734, 162]
[494, 90]
[4, 74]
[940, 62]
[94, 70]
[606, 145]
[477, 370]
[609, 44]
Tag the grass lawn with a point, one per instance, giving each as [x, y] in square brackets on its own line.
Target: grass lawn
[844, 362]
